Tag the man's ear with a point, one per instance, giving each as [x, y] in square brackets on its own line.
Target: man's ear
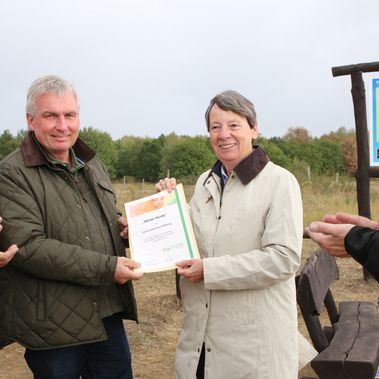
[29, 120]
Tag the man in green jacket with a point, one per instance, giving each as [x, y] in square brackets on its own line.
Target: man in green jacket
[65, 293]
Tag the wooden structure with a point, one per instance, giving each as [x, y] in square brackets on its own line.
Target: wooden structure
[364, 171]
[349, 345]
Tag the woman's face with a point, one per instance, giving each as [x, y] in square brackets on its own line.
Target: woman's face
[231, 136]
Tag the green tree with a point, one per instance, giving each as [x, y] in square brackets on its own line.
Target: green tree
[148, 159]
[275, 153]
[298, 134]
[323, 156]
[327, 157]
[8, 143]
[104, 146]
[347, 139]
[128, 149]
[188, 158]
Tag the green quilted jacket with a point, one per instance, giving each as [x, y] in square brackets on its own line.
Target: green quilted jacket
[49, 291]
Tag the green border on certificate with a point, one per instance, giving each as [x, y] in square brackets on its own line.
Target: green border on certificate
[160, 230]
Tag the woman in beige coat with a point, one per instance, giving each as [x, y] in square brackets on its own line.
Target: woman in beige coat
[239, 300]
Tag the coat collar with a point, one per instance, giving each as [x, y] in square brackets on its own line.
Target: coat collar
[248, 168]
[33, 155]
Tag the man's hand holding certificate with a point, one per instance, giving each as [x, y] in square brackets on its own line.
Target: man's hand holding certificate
[160, 230]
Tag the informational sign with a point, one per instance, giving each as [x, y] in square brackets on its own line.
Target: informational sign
[373, 120]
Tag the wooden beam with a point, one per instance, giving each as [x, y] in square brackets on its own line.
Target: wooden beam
[351, 68]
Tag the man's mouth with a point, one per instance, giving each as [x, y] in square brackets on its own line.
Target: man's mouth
[61, 137]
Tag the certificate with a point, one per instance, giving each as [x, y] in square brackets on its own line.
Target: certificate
[160, 231]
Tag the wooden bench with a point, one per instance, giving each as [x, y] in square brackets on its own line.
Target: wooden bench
[349, 346]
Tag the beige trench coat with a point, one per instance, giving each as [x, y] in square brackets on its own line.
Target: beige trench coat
[245, 310]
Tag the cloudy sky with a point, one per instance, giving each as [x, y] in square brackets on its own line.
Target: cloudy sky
[149, 67]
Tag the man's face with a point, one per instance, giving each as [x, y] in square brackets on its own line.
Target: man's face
[230, 136]
[56, 123]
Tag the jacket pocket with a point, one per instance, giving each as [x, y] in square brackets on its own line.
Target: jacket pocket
[106, 195]
[105, 186]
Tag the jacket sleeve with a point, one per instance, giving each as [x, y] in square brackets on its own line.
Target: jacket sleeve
[278, 257]
[40, 256]
[363, 245]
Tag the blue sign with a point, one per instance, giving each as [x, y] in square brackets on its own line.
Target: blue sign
[375, 121]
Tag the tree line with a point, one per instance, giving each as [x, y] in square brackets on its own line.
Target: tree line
[186, 157]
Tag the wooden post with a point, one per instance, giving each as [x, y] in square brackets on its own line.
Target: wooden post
[362, 174]
[359, 102]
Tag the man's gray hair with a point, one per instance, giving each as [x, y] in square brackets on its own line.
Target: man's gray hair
[236, 103]
[47, 84]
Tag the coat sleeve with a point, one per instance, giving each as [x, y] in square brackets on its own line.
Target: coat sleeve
[40, 256]
[363, 245]
[278, 257]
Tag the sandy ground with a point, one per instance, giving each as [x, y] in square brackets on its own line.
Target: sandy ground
[153, 340]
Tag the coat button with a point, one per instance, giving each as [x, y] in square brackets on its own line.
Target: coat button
[198, 349]
[206, 305]
[208, 349]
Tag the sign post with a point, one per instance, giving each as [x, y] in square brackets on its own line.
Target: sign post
[364, 171]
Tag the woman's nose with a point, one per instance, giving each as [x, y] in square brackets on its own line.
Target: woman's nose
[224, 132]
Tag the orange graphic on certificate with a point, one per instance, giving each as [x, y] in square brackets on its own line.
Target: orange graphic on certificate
[152, 204]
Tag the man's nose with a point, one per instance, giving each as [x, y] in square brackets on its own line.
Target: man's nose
[61, 123]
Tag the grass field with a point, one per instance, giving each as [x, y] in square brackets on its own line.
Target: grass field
[153, 340]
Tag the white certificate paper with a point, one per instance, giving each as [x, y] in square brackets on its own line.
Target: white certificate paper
[160, 230]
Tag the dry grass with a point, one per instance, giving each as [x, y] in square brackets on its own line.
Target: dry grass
[153, 340]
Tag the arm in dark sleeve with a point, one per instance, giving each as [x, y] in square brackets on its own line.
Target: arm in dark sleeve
[363, 245]
[40, 255]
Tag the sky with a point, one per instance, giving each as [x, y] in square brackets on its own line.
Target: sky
[150, 67]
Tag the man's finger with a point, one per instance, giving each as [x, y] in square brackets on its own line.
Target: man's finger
[131, 264]
[316, 227]
[331, 219]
